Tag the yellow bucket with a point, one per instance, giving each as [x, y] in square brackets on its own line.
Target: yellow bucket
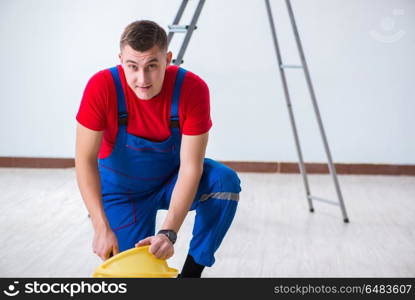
[135, 262]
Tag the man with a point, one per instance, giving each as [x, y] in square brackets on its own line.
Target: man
[147, 123]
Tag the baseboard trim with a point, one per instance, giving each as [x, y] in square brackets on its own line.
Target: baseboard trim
[36, 162]
[258, 167]
[320, 168]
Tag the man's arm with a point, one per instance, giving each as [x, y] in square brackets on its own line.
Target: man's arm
[86, 166]
[87, 146]
[192, 154]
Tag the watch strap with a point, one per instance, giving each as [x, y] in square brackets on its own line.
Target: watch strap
[171, 234]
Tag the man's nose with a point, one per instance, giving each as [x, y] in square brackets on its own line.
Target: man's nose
[142, 77]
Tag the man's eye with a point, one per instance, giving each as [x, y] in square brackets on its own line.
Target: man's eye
[152, 66]
[132, 67]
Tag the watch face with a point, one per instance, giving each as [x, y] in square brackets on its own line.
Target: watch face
[170, 234]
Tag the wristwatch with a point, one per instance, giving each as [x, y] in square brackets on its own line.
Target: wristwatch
[171, 234]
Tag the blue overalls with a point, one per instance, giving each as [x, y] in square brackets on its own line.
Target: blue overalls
[138, 177]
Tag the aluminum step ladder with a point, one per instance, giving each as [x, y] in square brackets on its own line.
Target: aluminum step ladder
[187, 29]
[304, 67]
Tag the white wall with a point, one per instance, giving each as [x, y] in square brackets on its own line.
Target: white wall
[364, 85]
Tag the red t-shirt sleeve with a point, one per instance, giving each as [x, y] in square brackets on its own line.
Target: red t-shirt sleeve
[198, 119]
[92, 110]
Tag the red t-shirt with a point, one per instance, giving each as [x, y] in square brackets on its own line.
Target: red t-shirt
[149, 119]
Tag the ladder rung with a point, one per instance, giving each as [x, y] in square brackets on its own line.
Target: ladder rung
[179, 28]
[291, 66]
[323, 200]
[174, 61]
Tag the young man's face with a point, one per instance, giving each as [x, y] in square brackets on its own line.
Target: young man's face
[145, 71]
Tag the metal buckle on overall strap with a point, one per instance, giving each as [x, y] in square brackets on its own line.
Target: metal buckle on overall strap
[174, 123]
[122, 120]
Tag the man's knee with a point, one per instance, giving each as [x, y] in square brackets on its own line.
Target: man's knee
[230, 180]
[221, 178]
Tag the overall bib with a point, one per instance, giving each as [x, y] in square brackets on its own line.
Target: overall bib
[138, 177]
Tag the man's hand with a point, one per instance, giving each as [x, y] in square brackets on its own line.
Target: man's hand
[161, 247]
[105, 243]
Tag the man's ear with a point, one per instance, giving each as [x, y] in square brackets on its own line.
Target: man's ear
[169, 57]
[119, 56]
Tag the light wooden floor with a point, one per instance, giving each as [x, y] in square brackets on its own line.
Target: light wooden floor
[45, 231]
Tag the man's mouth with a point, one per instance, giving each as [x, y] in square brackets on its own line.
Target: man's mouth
[144, 88]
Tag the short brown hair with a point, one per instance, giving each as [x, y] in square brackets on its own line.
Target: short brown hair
[143, 35]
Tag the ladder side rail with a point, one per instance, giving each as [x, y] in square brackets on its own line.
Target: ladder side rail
[179, 59]
[290, 110]
[177, 18]
[316, 110]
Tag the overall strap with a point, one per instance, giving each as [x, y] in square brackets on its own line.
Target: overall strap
[122, 109]
[174, 112]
